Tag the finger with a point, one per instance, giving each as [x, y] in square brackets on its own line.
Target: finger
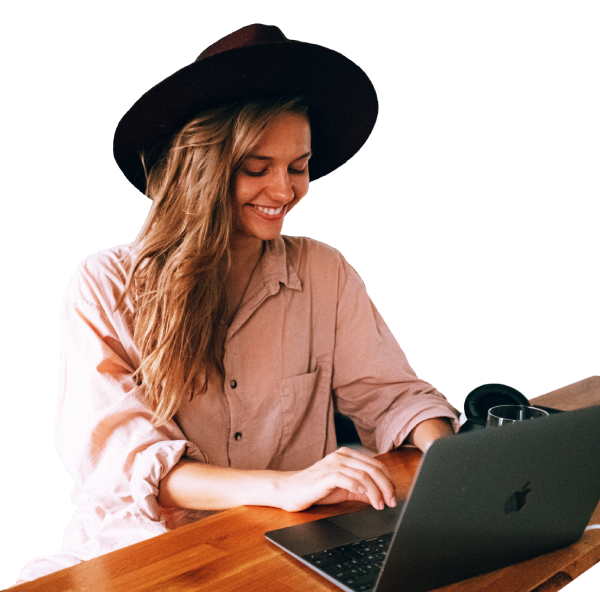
[371, 488]
[342, 480]
[346, 457]
[349, 452]
[376, 474]
[342, 495]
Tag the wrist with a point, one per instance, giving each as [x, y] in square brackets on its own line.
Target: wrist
[265, 488]
[278, 489]
[425, 433]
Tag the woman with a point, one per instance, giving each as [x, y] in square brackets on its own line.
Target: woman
[202, 364]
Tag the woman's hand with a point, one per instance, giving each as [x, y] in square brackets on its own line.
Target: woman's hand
[341, 476]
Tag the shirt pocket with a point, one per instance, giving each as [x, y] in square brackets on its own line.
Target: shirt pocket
[306, 406]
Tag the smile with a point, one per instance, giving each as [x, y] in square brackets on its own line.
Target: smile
[269, 211]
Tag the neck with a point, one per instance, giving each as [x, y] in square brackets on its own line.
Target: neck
[245, 252]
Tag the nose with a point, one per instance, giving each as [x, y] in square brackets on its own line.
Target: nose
[280, 188]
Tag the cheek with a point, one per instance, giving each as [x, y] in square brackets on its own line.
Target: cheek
[301, 188]
[242, 190]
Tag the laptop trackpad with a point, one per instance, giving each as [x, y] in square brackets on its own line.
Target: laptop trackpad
[327, 533]
[369, 523]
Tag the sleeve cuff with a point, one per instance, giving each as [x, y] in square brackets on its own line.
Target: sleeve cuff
[151, 466]
[391, 438]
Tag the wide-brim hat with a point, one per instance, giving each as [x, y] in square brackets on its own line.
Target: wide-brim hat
[255, 62]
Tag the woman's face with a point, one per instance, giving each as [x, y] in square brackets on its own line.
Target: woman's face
[273, 178]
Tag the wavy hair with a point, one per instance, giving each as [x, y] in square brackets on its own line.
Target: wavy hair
[181, 256]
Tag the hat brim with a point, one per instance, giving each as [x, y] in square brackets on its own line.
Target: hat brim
[342, 101]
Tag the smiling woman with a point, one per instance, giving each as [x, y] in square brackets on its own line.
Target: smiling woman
[273, 177]
[203, 363]
[265, 196]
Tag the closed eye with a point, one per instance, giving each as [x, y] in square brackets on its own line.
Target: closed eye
[261, 173]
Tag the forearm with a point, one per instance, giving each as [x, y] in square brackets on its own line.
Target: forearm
[196, 486]
[341, 476]
[426, 432]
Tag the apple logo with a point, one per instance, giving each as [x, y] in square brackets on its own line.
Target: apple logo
[517, 500]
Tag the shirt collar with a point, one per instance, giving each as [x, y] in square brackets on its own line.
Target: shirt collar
[277, 268]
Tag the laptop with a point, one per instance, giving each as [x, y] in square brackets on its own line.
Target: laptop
[481, 501]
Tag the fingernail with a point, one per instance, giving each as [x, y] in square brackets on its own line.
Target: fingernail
[392, 503]
[381, 505]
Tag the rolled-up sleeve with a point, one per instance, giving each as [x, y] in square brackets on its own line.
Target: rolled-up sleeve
[373, 382]
[104, 431]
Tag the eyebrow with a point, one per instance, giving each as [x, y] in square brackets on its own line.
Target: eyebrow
[257, 157]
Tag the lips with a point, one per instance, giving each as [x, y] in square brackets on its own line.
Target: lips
[269, 214]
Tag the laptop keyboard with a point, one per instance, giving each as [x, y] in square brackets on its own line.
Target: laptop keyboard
[356, 565]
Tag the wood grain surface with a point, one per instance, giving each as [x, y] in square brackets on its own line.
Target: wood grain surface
[228, 551]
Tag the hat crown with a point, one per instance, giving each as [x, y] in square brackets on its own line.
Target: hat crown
[256, 34]
[255, 62]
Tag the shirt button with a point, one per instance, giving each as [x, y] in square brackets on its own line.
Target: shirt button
[238, 435]
[233, 384]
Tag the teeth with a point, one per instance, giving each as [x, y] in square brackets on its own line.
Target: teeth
[270, 211]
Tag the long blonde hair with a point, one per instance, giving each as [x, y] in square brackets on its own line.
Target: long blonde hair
[181, 255]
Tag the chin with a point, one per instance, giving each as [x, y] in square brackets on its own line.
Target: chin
[266, 235]
[270, 236]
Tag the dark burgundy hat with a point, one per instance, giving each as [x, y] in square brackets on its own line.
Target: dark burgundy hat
[257, 61]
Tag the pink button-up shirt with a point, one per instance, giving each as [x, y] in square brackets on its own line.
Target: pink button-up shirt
[305, 340]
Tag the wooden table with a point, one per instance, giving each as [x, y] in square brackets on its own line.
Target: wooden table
[228, 551]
